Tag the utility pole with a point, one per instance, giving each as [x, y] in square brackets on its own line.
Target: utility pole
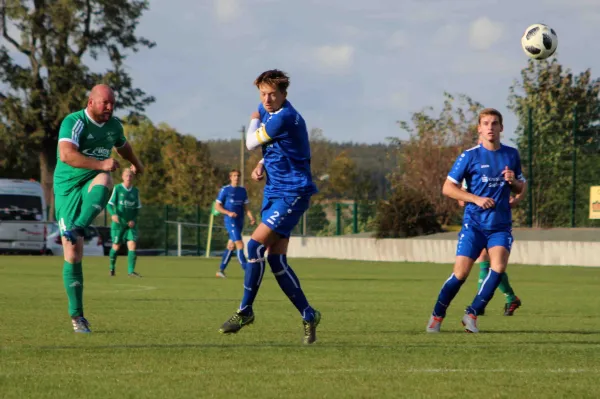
[242, 145]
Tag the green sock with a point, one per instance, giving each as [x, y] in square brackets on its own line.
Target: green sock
[131, 258]
[112, 255]
[484, 269]
[94, 203]
[73, 280]
[506, 289]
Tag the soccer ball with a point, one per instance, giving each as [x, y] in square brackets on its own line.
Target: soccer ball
[539, 41]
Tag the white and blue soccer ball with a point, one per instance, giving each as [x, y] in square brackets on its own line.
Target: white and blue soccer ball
[539, 41]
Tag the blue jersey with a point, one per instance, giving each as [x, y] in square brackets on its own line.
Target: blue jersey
[233, 199]
[287, 154]
[482, 171]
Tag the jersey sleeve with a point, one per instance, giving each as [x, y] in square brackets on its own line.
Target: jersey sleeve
[221, 196]
[121, 140]
[139, 201]
[459, 169]
[70, 129]
[246, 200]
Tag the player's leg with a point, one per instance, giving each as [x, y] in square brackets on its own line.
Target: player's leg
[513, 302]
[131, 252]
[94, 201]
[226, 258]
[67, 208]
[116, 233]
[290, 285]
[470, 243]
[484, 267]
[499, 245]
[239, 248]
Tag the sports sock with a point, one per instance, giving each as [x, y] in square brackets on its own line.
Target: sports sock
[112, 255]
[290, 285]
[131, 258]
[484, 268]
[73, 282]
[254, 271]
[486, 293]
[506, 289]
[447, 294]
[93, 204]
[225, 259]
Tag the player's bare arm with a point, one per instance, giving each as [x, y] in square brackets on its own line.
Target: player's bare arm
[514, 201]
[219, 207]
[453, 191]
[258, 172]
[127, 153]
[70, 155]
[250, 215]
[516, 185]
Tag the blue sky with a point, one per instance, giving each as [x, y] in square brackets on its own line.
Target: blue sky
[356, 66]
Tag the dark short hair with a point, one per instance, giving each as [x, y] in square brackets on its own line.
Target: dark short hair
[275, 78]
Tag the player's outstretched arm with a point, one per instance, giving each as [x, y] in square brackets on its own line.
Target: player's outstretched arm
[127, 153]
[69, 154]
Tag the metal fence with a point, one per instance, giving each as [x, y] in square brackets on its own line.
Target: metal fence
[185, 230]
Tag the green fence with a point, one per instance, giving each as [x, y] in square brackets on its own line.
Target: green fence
[561, 160]
[158, 226]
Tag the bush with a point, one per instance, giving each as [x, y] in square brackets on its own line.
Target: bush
[407, 213]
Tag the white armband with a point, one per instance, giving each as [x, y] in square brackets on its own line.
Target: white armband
[256, 135]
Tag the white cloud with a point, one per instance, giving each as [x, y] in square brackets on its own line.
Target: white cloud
[484, 33]
[398, 39]
[335, 57]
[228, 10]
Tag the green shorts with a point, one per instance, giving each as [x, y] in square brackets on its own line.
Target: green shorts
[120, 234]
[68, 207]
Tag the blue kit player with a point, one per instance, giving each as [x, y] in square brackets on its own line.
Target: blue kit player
[492, 171]
[232, 202]
[281, 133]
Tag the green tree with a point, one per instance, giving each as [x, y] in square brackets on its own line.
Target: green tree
[434, 144]
[553, 93]
[48, 78]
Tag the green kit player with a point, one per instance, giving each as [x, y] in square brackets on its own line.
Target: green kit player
[82, 183]
[124, 205]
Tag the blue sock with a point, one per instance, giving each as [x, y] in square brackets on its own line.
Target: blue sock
[254, 271]
[225, 260]
[486, 292]
[241, 258]
[290, 285]
[447, 294]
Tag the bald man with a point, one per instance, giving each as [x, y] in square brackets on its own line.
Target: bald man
[82, 183]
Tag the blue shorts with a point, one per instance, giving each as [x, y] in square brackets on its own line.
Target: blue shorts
[283, 214]
[234, 228]
[471, 240]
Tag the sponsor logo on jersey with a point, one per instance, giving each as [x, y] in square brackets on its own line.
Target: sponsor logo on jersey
[98, 152]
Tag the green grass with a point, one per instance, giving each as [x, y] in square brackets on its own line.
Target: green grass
[156, 337]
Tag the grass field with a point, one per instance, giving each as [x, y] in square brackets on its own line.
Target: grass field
[156, 337]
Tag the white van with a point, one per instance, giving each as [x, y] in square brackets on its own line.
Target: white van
[22, 217]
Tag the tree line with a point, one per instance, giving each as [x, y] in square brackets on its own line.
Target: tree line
[44, 77]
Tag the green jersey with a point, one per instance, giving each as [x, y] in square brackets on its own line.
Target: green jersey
[125, 203]
[92, 139]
